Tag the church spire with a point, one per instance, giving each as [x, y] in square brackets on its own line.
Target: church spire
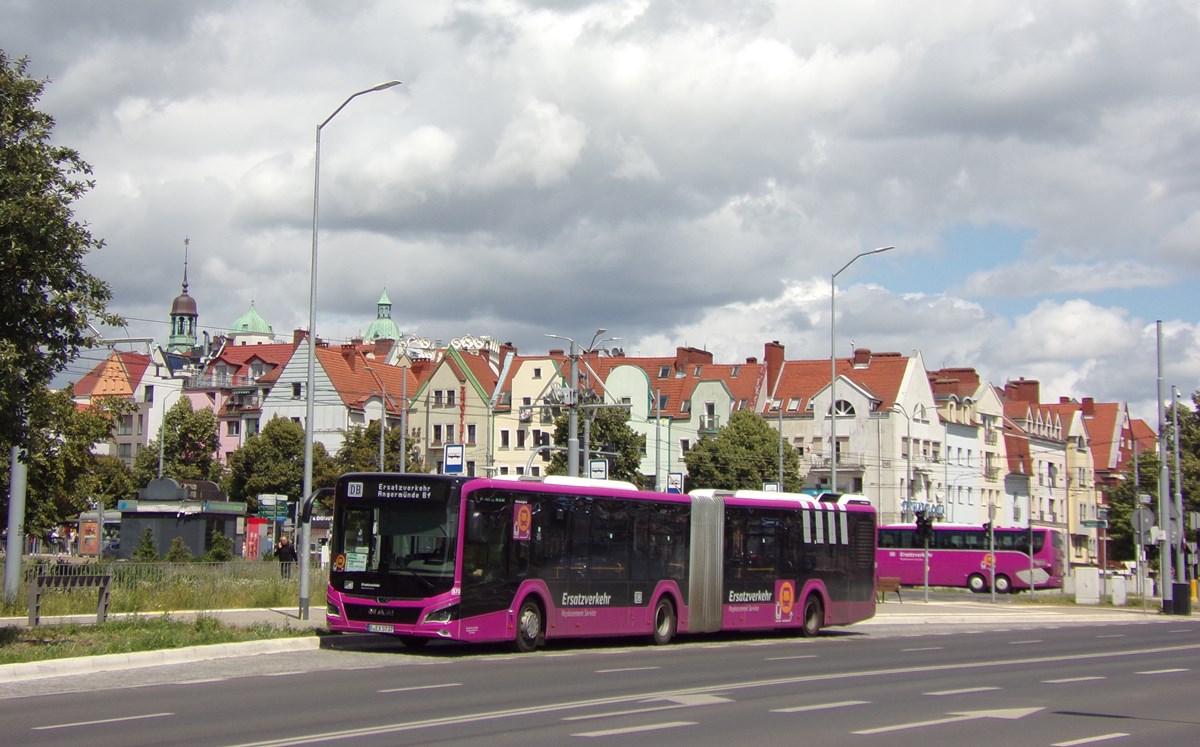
[183, 314]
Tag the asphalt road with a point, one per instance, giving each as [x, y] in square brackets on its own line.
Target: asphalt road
[953, 673]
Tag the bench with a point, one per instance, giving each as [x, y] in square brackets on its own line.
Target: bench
[42, 582]
[884, 584]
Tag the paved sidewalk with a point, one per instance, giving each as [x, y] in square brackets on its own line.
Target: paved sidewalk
[918, 612]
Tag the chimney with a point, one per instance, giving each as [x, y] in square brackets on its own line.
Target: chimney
[298, 336]
[1089, 407]
[751, 360]
[773, 355]
[1024, 390]
[685, 357]
[382, 347]
[862, 357]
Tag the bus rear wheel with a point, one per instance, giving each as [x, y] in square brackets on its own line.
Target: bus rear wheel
[814, 615]
[1003, 585]
[977, 583]
[529, 626]
[664, 622]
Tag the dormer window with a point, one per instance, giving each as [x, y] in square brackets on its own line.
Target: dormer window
[664, 372]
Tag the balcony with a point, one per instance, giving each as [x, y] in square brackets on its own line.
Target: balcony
[847, 461]
[991, 474]
[709, 425]
[991, 438]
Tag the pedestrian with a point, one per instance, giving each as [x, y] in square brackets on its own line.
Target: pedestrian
[286, 553]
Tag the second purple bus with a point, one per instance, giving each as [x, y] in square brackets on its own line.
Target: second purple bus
[430, 557]
[961, 555]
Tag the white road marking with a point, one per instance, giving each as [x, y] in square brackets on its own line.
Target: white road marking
[821, 706]
[635, 729]
[626, 669]
[963, 691]
[1022, 643]
[419, 687]
[1007, 713]
[1162, 671]
[927, 648]
[678, 701]
[1069, 680]
[790, 658]
[102, 721]
[1090, 740]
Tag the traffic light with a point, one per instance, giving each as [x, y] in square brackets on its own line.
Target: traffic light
[987, 527]
[924, 527]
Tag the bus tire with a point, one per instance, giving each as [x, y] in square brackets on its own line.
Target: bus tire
[977, 583]
[1003, 585]
[813, 617]
[664, 621]
[529, 626]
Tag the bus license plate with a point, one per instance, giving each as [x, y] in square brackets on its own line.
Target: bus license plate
[380, 628]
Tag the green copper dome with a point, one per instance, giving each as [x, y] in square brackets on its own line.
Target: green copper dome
[251, 323]
[383, 328]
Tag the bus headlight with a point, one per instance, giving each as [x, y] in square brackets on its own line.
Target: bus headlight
[332, 610]
[444, 615]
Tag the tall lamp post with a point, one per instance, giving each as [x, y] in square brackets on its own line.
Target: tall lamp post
[310, 382]
[833, 365]
[162, 429]
[573, 402]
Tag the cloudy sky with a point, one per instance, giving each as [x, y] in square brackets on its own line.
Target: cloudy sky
[680, 172]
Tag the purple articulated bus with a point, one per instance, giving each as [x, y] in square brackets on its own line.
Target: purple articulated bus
[434, 557]
[963, 556]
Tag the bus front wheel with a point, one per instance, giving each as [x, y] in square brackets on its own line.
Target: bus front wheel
[977, 583]
[814, 615]
[529, 626]
[664, 622]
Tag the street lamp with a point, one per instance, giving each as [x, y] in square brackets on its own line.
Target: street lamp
[310, 382]
[925, 512]
[833, 366]
[162, 429]
[573, 402]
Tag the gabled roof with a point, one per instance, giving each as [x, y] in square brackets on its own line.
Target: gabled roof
[879, 375]
[117, 376]
[357, 379]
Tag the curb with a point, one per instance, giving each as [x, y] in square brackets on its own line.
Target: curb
[115, 662]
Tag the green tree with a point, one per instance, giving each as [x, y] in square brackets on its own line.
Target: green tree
[220, 548]
[272, 461]
[742, 456]
[147, 549]
[609, 432]
[190, 439]
[47, 298]
[63, 471]
[360, 451]
[178, 552]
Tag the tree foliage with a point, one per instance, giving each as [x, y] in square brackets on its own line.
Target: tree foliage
[47, 298]
[609, 432]
[190, 439]
[360, 451]
[63, 472]
[742, 456]
[272, 462]
[147, 549]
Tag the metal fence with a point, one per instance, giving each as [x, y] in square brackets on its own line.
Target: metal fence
[164, 587]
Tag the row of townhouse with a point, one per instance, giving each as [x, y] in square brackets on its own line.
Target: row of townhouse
[908, 438]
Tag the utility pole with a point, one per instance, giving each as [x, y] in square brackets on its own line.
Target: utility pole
[1165, 576]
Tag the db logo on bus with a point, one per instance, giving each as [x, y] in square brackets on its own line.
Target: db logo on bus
[785, 594]
[522, 521]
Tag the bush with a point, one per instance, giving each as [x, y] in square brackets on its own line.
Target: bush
[147, 550]
[178, 552]
[221, 549]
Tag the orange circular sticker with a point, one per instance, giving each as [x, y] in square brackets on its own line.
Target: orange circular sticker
[339, 563]
[787, 597]
[524, 517]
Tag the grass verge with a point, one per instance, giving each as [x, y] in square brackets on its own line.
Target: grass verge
[150, 633]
